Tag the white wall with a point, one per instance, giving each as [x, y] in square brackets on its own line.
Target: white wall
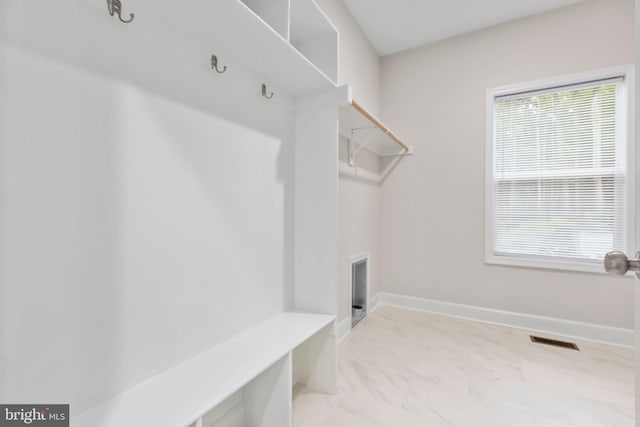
[433, 203]
[359, 221]
[359, 201]
[135, 230]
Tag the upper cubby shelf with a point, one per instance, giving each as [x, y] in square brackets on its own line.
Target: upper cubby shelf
[274, 13]
[169, 39]
[302, 25]
[291, 42]
[364, 130]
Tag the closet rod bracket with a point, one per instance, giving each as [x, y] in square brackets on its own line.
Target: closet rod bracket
[408, 152]
[355, 147]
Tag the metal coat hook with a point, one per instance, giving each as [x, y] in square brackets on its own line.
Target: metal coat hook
[115, 8]
[214, 65]
[264, 92]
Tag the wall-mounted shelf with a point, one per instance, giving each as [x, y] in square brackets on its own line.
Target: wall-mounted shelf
[364, 130]
[170, 41]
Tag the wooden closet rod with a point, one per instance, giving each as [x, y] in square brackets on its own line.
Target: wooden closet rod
[379, 125]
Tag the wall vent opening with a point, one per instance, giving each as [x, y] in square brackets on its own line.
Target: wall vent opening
[359, 285]
[555, 343]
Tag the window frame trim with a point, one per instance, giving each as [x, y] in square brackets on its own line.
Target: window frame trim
[628, 73]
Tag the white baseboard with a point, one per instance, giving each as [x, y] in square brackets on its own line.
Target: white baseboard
[374, 302]
[343, 328]
[568, 328]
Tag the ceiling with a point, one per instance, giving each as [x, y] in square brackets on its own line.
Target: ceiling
[396, 25]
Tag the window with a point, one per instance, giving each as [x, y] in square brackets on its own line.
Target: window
[559, 171]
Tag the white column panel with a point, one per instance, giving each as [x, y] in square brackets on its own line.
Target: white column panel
[316, 208]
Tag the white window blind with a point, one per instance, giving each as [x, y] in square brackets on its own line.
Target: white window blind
[559, 172]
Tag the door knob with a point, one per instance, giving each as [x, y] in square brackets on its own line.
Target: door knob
[618, 264]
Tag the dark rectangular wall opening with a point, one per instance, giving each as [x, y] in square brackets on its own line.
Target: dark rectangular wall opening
[358, 291]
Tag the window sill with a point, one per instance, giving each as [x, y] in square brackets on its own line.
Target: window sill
[546, 264]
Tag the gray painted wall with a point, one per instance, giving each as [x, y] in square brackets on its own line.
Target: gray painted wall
[432, 206]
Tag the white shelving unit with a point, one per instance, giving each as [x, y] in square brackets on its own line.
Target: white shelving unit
[291, 46]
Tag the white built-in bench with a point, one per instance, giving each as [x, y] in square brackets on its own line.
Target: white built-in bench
[244, 381]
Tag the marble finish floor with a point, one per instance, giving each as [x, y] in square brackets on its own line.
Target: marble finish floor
[405, 368]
